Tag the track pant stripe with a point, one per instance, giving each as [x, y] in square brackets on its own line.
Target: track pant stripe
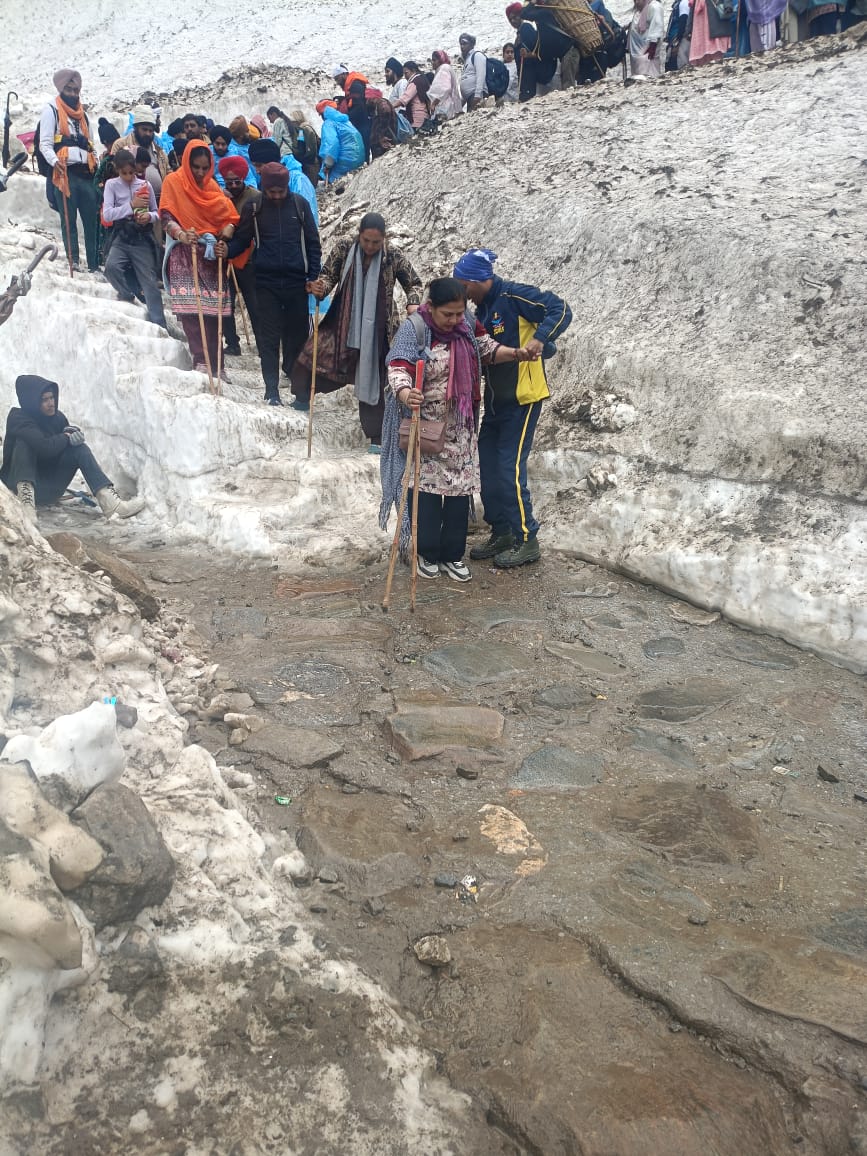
[524, 530]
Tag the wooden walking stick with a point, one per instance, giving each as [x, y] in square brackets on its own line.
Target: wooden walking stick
[313, 379]
[198, 290]
[395, 543]
[219, 323]
[240, 298]
[68, 237]
[413, 578]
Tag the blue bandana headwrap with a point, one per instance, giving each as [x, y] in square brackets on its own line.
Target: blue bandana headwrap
[476, 265]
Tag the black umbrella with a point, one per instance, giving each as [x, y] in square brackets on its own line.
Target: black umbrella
[7, 123]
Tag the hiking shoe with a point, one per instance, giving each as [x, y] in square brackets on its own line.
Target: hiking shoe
[275, 400]
[426, 569]
[110, 502]
[496, 544]
[232, 351]
[459, 571]
[27, 497]
[373, 449]
[302, 404]
[520, 554]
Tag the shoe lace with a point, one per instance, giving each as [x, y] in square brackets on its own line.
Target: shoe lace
[27, 494]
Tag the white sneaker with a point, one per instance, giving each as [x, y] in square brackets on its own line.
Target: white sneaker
[427, 569]
[27, 497]
[459, 571]
[110, 502]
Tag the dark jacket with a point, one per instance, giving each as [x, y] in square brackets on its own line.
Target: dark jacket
[547, 39]
[513, 313]
[288, 251]
[44, 434]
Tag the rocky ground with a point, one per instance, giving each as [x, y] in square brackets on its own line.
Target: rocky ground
[634, 831]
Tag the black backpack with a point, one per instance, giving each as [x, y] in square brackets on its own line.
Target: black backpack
[496, 77]
[45, 169]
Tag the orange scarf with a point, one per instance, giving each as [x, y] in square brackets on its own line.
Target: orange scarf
[64, 115]
[197, 208]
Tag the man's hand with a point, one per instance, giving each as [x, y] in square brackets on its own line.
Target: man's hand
[533, 349]
[317, 288]
[651, 50]
[76, 437]
[60, 165]
[188, 236]
[140, 200]
[221, 249]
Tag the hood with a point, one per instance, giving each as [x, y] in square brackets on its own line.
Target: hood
[331, 114]
[30, 389]
[291, 164]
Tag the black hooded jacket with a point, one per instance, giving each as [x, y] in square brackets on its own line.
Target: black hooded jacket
[44, 434]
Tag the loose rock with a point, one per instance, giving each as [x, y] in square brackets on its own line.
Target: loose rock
[433, 950]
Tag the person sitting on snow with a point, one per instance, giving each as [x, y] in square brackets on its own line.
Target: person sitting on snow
[42, 452]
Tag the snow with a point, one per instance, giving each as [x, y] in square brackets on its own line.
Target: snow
[274, 34]
[82, 748]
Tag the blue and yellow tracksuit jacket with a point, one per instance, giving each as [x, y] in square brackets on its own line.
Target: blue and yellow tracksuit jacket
[513, 313]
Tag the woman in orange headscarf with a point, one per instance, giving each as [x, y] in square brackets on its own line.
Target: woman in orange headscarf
[194, 210]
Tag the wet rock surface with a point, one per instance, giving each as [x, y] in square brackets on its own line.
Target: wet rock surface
[590, 865]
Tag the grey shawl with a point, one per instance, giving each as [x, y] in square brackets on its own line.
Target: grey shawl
[362, 325]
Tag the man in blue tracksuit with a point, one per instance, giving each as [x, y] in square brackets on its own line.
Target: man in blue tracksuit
[521, 316]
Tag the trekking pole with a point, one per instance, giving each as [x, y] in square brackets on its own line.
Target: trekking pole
[219, 323]
[313, 379]
[738, 31]
[413, 578]
[68, 238]
[410, 456]
[7, 124]
[198, 290]
[243, 307]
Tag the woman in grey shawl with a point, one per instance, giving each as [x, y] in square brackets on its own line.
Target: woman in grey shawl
[364, 269]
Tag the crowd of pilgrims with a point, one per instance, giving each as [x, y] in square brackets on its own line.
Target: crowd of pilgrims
[219, 215]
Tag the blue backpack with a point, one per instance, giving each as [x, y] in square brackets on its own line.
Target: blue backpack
[404, 129]
[496, 77]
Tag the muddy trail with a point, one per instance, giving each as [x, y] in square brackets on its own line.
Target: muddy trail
[635, 832]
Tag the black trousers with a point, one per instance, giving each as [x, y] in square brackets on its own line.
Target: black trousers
[52, 477]
[284, 324]
[442, 526]
[247, 284]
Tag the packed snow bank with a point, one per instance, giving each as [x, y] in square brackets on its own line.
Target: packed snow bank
[707, 232]
[223, 470]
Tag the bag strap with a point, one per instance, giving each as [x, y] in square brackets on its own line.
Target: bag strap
[422, 335]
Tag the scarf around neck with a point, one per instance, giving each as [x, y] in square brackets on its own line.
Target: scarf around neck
[464, 386]
[66, 113]
[200, 208]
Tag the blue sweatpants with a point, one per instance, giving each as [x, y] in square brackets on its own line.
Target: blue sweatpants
[505, 441]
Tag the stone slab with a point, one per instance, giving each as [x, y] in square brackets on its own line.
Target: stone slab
[292, 746]
[421, 731]
[553, 768]
[123, 577]
[585, 658]
[684, 701]
[475, 664]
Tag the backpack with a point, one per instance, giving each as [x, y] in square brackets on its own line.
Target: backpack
[42, 165]
[496, 77]
[404, 129]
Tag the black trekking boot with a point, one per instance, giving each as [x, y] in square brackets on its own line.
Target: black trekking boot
[496, 544]
[520, 554]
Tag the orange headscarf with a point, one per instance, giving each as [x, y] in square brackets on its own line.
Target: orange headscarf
[201, 208]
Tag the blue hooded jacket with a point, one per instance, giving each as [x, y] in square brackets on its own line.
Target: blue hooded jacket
[341, 141]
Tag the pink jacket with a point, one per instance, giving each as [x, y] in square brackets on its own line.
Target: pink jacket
[416, 109]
